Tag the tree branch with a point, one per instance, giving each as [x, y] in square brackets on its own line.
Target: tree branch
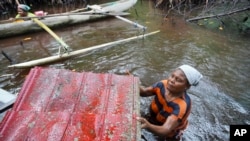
[218, 15]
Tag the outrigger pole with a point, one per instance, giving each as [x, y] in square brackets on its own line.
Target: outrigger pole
[98, 8]
[58, 39]
[63, 56]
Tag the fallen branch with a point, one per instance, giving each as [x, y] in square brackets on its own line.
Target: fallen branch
[219, 15]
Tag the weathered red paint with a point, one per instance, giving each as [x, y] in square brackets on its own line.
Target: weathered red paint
[58, 104]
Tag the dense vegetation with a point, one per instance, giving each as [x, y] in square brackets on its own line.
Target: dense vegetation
[229, 15]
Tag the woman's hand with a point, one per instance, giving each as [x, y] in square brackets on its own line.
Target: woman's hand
[144, 123]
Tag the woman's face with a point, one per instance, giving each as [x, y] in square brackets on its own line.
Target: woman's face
[21, 12]
[177, 82]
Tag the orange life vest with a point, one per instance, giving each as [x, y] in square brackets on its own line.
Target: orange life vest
[180, 107]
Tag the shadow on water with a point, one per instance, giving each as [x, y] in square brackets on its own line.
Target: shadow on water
[221, 99]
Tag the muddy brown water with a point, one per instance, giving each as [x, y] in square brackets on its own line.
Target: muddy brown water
[221, 99]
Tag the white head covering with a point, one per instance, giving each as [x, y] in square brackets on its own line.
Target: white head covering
[193, 75]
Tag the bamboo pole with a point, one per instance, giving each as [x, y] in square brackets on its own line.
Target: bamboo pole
[41, 24]
[99, 9]
[74, 53]
[17, 2]
[131, 22]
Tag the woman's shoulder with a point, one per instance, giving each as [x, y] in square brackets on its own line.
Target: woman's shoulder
[17, 16]
[164, 82]
[31, 14]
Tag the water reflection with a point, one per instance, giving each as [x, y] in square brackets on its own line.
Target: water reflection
[222, 98]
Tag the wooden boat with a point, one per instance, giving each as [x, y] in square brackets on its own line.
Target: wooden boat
[73, 17]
